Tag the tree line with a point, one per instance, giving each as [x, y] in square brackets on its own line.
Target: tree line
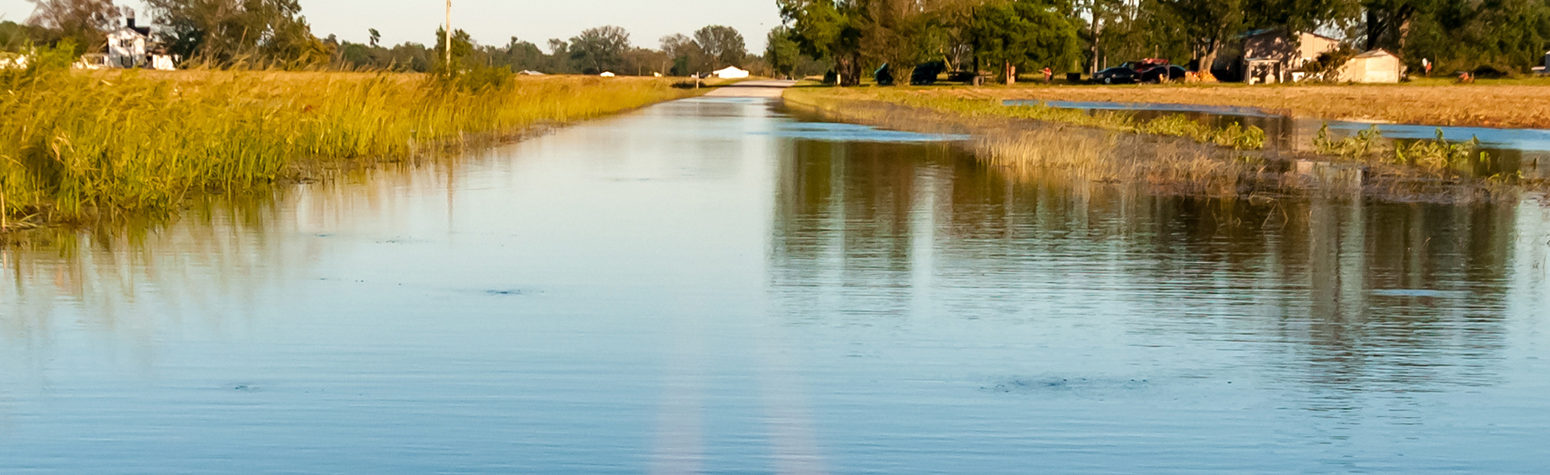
[275, 34]
[853, 36]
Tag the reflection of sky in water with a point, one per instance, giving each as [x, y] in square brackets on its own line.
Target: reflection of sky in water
[687, 289]
[831, 132]
[1528, 140]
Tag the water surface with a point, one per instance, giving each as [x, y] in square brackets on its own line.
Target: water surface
[711, 285]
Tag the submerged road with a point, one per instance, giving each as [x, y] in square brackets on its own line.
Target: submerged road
[764, 88]
[716, 285]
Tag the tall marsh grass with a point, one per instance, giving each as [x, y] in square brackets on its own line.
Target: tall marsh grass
[77, 145]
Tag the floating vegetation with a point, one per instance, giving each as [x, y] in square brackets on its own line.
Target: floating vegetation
[1436, 155]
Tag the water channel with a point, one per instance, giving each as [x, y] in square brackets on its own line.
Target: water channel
[714, 285]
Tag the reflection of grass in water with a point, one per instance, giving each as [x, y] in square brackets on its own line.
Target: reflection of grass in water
[77, 146]
[1103, 147]
[1004, 137]
[1177, 125]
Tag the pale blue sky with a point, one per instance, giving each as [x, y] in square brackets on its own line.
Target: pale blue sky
[494, 21]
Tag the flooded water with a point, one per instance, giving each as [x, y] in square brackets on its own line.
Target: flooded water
[711, 285]
[1512, 150]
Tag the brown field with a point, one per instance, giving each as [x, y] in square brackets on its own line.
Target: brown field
[1507, 104]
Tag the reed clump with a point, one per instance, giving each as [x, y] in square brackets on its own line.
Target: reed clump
[77, 145]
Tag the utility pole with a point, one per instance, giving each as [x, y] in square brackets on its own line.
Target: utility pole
[448, 34]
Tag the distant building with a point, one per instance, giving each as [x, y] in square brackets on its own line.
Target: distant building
[730, 72]
[1544, 67]
[131, 47]
[1373, 67]
[1272, 56]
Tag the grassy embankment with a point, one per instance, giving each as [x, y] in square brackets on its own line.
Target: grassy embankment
[1170, 152]
[77, 147]
[1489, 103]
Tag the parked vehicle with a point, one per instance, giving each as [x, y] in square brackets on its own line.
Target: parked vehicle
[1151, 70]
[1121, 74]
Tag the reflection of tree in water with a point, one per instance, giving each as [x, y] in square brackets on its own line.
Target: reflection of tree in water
[205, 269]
[1338, 296]
[842, 216]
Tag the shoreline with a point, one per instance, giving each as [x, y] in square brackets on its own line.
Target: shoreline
[1486, 104]
[1167, 163]
[272, 129]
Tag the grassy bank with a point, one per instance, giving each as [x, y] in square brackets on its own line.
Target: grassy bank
[79, 146]
[1509, 104]
[1171, 154]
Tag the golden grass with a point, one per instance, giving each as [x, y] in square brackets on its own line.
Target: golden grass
[77, 146]
[1514, 104]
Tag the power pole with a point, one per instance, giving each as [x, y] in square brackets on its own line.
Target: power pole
[448, 34]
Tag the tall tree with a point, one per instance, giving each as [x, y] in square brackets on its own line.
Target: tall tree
[225, 32]
[828, 29]
[463, 49]
[722, 45]
[1017, 33]
[781, 51]
[600, 49]
[86, 22]
[1210, 24]
[684, 54]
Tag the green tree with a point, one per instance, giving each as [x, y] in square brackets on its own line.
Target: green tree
[462, 51]
[15, 36]
[684, 55]
[1018, 33]
[227, 32]
[782, 52]
[828, 29]
[375, 37]
[1210, 25]
[722, 45]
[600, 49]
[84, 21]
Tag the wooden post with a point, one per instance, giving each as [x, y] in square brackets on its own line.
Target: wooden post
[448, 35]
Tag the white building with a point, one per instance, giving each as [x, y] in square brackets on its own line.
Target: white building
[131, 47]
[1373, 67]
[730, 72]
[128, 46]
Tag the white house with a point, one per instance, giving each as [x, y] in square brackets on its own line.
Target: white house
[1373, 67]
[1272, 55]
[131, 47]
[128, 46]
[730, 72]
